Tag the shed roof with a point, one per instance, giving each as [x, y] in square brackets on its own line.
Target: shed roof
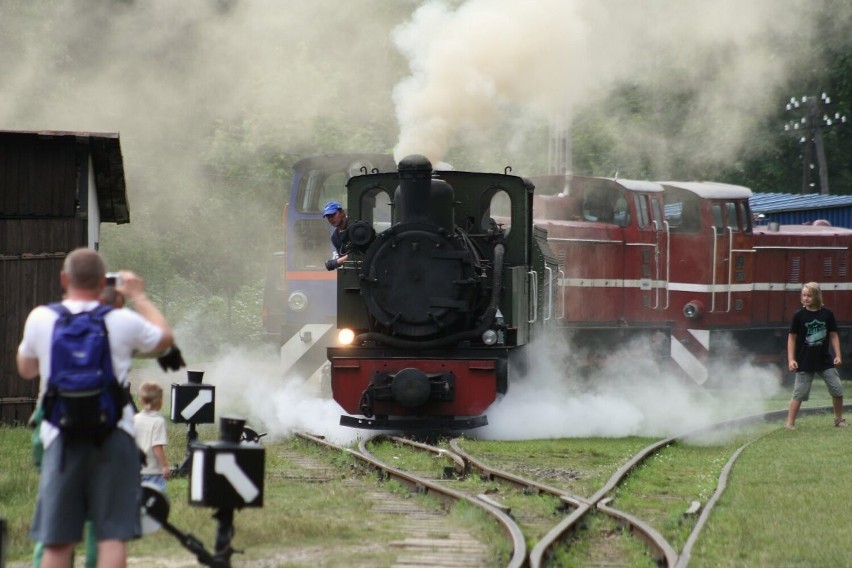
[108, 166]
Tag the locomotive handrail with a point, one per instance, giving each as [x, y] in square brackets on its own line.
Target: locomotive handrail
[534, 295]
[730, 266]
[656, 226]
[549, 293]
[668, 261]
[713, 269]
[564, 287]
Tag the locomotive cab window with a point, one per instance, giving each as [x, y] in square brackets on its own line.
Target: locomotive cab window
[718, 218]
[599, 204]
[621, 216]
[498, 213]
[376, 209]
[727, 215]
[682, 212]
[317, 189]
[309, 243]
[642, 211]
[731, 213]
[745, 215]
[656, 213]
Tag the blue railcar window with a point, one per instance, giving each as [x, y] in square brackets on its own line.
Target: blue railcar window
[310, 244]
[319, 187]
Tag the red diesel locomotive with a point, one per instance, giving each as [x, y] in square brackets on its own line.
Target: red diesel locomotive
[683, 265]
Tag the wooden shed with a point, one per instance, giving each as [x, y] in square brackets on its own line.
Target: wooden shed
[56, 188]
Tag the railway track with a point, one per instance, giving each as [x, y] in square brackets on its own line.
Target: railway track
[519, 526]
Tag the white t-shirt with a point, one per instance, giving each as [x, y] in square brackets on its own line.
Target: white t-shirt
[150, 432]
[128, 333]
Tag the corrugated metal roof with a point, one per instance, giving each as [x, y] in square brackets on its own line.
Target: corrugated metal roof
[802, 209]
[773, 202]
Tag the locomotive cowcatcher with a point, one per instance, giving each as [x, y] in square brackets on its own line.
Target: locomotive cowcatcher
[447, 281]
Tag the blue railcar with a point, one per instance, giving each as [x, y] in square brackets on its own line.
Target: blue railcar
[299, 290]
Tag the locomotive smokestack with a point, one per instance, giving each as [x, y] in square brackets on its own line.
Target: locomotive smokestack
[413, 193]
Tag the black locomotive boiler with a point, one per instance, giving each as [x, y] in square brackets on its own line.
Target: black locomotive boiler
[446, 282]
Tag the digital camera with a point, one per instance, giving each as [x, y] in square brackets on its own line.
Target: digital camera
[113, 279]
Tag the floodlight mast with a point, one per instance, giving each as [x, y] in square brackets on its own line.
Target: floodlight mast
[809, 128]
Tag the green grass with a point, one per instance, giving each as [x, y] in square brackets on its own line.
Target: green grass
[784, 506]
[786, 502]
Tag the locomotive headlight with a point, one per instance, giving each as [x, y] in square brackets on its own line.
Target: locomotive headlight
[345, 336]
[489, 337]
[297, 301]
[693, 309]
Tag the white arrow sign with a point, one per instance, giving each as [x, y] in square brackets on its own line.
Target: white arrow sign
[205, 396]
[226, 466]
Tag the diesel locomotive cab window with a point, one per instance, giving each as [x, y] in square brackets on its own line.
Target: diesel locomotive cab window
[657, 213]
[718, 218]
[681, 210]
[599, 204]
[622, 214]
[643, 211]
[731, 212]
[745, 215]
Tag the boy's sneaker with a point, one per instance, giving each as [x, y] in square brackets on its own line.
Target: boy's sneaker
[839, 423]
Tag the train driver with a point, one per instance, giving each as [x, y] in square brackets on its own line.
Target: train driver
[337, 218]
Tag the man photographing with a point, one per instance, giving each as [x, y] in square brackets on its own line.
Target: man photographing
[88, 476]
[337, 218]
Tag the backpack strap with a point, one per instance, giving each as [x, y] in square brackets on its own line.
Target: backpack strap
[60, 309]
[99, 312]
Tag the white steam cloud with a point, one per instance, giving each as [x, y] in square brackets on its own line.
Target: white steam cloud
[629, 395]
[250, 384]
[482, 60]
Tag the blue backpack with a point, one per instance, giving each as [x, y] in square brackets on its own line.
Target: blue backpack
[83, 397]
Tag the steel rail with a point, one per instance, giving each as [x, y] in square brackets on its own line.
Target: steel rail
[662, 549]
[524, 483]
[567, 525]
[460, 467]
[422, 485]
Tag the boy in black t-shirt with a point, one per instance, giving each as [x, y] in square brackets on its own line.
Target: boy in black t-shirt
[812, 329]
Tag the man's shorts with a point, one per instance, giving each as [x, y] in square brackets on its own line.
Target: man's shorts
[802, 386]
[81, 481]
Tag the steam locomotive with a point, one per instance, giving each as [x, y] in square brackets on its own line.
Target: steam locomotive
[441, 292]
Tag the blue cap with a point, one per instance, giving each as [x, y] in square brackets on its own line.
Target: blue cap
[331, 208]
